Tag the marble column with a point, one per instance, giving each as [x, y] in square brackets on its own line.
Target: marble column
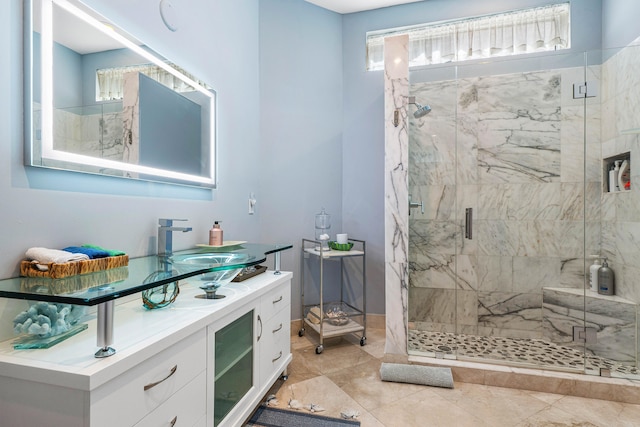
[396, 92]
[131, 120]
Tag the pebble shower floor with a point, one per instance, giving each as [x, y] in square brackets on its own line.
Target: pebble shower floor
[523, 352]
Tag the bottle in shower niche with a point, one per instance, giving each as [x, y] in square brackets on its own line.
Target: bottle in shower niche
[606, 279]
[623, 176]
[215, 235]
[613, 177]
[593, 273]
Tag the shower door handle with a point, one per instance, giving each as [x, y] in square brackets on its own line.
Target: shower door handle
[468, 223]
[416, 205]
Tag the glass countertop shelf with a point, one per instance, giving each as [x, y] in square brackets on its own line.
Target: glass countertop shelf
[141, 274]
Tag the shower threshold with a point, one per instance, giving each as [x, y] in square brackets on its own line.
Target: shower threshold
[530, 353]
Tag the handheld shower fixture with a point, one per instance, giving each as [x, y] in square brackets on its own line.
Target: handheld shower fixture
[422, 110]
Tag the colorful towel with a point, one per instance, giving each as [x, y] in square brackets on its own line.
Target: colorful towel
[90, 252]
[111, 252]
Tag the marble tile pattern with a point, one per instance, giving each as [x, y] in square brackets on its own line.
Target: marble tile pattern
[503, 157]
[131, 117]
[612, 318]
[346, 377]
[396, 91]
[91, 132]
[528, 158]
[621, 211]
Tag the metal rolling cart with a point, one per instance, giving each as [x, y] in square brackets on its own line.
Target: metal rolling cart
[332, 318]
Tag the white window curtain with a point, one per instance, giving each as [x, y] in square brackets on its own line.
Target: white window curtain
[513, 33]
[110, 81]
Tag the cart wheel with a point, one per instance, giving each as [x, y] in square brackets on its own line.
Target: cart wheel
[363, 341]
[319, 349]
[301, 332]
[285, 377]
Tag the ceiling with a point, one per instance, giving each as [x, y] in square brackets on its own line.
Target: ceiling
[350, 6]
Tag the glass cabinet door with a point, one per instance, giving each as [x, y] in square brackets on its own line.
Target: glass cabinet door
[233, 365]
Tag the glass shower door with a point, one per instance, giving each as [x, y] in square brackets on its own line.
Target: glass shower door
[434, 226]
[510, 166]
[499, 163]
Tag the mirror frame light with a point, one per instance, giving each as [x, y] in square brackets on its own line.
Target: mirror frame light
[58, 159]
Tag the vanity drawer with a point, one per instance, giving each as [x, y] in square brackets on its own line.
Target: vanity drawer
[275, 301]
[185, 408]
[128, 398]
[275, 344]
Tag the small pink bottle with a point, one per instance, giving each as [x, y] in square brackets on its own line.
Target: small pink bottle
[215, 235]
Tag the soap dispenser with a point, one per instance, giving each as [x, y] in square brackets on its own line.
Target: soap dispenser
[593, 273]
[215, 235]
[606, 279]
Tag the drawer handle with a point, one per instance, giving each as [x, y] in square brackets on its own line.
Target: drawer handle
[173, 421]
[279, 356]
[278, 300]
[278, 328]
[152, 385]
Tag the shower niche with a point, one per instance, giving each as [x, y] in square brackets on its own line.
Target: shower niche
[616, 173]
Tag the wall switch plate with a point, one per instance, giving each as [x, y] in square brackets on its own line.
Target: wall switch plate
[252, 203]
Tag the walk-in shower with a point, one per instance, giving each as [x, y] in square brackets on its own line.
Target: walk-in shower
[521, 145]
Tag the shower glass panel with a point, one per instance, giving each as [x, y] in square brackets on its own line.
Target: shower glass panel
[500, 164]
[433, 234]
[613, 218]
[511, 167]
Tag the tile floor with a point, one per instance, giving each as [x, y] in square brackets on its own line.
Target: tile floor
[346, 377]
[529, 352]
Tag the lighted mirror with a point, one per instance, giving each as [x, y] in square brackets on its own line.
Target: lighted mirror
[99, 101]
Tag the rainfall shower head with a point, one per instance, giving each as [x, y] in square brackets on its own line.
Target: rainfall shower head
[422, 110]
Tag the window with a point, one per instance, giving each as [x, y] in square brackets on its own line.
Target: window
[512, 33]
[110, 81]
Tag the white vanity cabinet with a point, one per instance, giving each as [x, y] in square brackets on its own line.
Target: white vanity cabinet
[275, 339]
[174, 366]
[159, 384]
[247, 354]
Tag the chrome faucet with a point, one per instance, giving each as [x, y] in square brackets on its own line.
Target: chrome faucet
[165, 235]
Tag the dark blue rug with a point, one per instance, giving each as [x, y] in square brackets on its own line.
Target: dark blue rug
[273, 417]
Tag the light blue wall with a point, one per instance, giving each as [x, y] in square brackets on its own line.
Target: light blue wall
[300, 110]
[170, 128]
[619, 22]
[69, 70]
[363, 133]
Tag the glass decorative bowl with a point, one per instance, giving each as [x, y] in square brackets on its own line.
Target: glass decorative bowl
[340, 246]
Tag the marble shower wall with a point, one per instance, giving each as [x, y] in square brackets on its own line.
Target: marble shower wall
[621, 211]
[92, 131]
[510, 147]
[396, 152]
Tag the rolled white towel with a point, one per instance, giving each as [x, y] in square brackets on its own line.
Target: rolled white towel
[42, 256]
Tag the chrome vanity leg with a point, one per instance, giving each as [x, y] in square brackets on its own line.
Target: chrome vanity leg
[276, 267]
[105, 329]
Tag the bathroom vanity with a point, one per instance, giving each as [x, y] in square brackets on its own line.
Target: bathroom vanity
[197, 362]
